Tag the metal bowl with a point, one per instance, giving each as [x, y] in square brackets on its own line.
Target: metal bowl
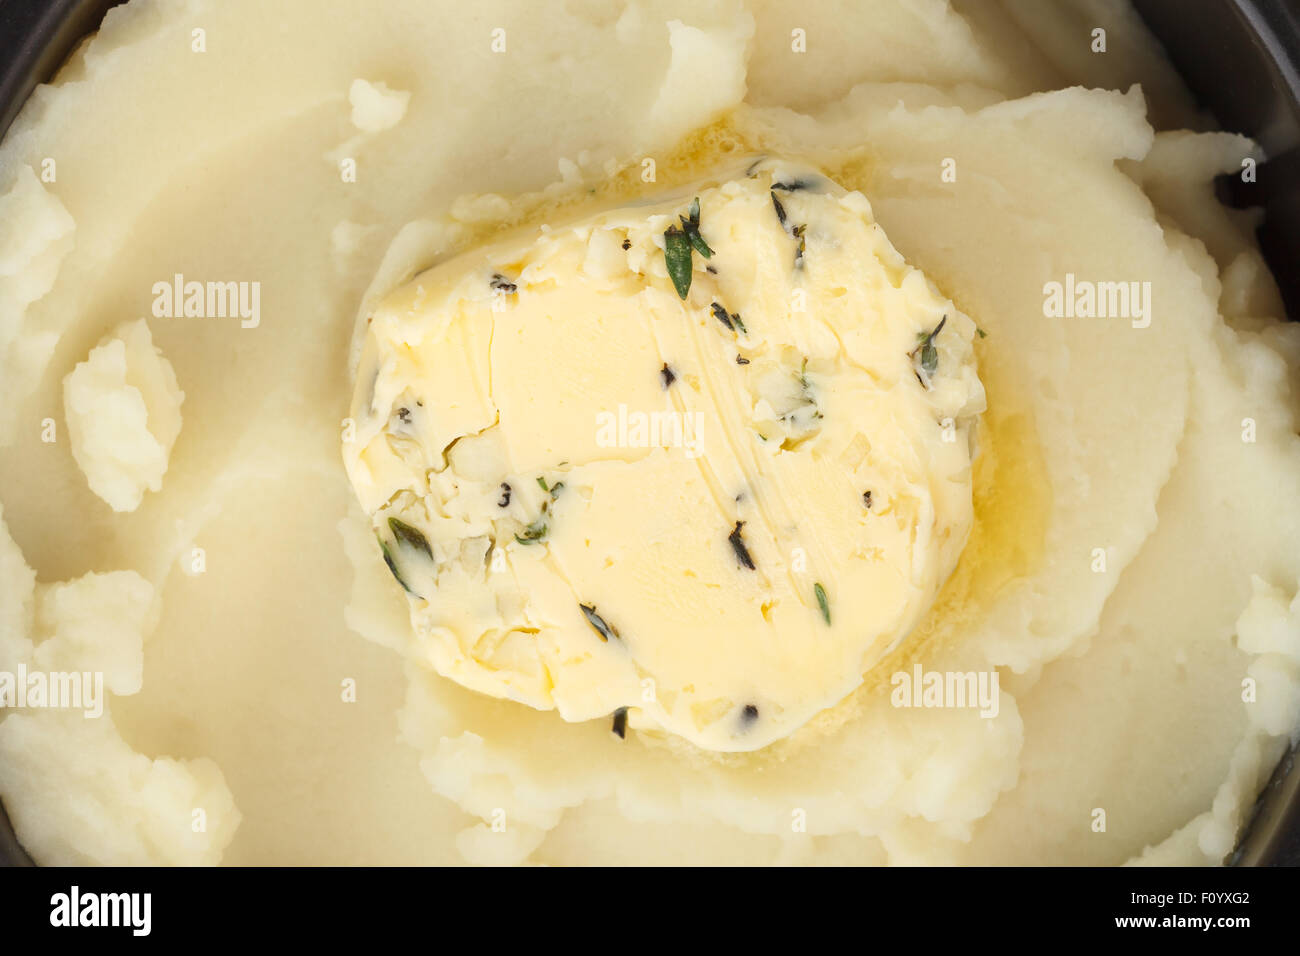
[1241, 58]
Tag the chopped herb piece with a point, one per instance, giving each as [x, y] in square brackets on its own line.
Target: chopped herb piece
[822, 602]
[749, 714]
[794, 185]
[505, 496]
[627, 243]
[930, 354]
[866, 499]
[780, 210]
[692, 231]
[738, 544]
[392, 566]
[982, 334]
[711, 270]
[596, 621]
[555, 489]
[697, 241]
[541, 483]
[741, 360]
[620, 723]
[798, 232]
[409, 535]
[691, 226]
[404, 415]
[735, 318]
[533, 533]
[668, 375]
[721, 315]
[502, 284]
[677, 256]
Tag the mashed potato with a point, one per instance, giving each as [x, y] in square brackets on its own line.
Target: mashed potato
[1127, 595]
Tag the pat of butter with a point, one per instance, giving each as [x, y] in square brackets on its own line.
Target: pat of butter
[716, 511]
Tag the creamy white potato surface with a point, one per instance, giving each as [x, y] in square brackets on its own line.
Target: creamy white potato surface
[400, 258]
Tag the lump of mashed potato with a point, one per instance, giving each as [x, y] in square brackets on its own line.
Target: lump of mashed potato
[1124, 603]
[123, 409]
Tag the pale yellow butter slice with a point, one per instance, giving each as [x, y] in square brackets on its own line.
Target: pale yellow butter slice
[717, 511]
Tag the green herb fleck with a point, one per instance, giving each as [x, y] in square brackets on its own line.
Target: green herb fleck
[822, 602]
[677, 256]
[982, 334]
[541, 483]
[534, 533]
[930, 354]
[780, 210]
[605, 630]
[409, 535]
[392, 566]
[722, 316]
[738, 544]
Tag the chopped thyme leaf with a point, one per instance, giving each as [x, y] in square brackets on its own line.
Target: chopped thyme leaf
[798, 232]
[711, 270]
[780, 210]
[697, 241]
[866, 499]
[409, 535]
[541, 483]
[502, 284]
[392, 566]
[741, 360]
[794, 185]
[738, 545]
[533, 533]
[731, 320]
[691, 226]
[749, 714]
[822, 602]
[505, 496]
[929, 354]
[555, 489]
[668, 375]
[982, 334]
[598, 623]
[620, 723]
[677, 256]
[721, 315]
[627, 243]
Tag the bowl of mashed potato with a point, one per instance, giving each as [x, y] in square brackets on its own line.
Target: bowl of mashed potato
[611, 432]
